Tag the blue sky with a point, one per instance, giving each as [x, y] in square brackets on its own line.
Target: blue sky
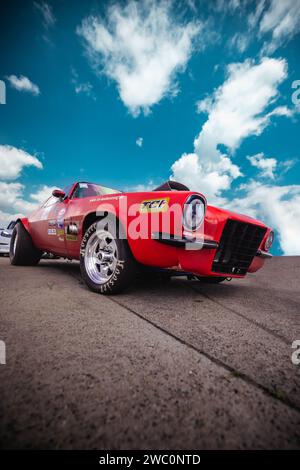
[128, 94]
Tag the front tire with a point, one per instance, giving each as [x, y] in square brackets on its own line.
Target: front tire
[22, 251]
[106, 263]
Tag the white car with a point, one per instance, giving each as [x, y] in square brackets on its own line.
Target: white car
[5, 237]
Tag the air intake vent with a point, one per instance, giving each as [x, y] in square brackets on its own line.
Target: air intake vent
[238, 246]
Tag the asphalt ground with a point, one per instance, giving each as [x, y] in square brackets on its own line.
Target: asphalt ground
[178, 365]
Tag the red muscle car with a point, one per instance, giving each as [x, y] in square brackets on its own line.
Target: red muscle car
[116, 234]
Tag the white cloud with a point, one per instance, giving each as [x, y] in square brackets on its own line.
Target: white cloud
[236, 110]
[282, 111]
[229, 6]
[192, 5]
[254, 16]
[6, 217]
[139, 141]
[47, 14]
[43, 193]
[274, 21]
[286, 165]
[13, 160]
[80, 87]
[14, 205]
[22, 83]
[141, 46]
[12, 201]
[10, 193]
[267, 166]
[142, 187]
[48, 19]
[282, 21]
[210, 178]
[239, 41]
[85, 88]
[278, 206]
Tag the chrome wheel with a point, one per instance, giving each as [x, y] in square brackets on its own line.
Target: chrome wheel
[101, 257]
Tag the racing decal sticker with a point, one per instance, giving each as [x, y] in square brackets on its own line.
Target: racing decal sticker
[71, 238]
[106, 198]
[60, 218]
[51, 231]
[155, 205]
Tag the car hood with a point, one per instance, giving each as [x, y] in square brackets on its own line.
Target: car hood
[212, 212]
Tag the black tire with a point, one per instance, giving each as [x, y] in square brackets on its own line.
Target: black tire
[22, 250]
[121, 275]
[211, 280]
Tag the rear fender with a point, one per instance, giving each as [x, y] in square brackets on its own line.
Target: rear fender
[25, 223]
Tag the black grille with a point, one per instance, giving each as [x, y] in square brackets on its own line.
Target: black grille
[237, 248]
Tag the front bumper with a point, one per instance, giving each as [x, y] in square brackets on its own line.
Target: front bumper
[195, 243]
[184, 242]
[200, 255]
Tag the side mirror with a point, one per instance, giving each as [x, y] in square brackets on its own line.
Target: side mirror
[58, 193]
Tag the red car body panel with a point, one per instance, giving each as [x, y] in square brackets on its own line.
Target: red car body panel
[48, 229]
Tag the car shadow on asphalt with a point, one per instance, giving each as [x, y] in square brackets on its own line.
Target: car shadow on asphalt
[177, 286]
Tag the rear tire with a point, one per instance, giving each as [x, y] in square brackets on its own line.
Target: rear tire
[106, 262]
[22, 250]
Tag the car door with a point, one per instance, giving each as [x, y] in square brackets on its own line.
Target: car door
[48, 223]
[74, 219]
[55, 227]
[77, 209]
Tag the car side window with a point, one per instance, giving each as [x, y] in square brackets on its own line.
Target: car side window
[52, 200]
[67, 190]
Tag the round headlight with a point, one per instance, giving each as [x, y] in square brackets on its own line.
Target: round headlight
[269, 240]
[194, 210]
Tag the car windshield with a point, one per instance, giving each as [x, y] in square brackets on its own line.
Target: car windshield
[109, 190]
[90, 189]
